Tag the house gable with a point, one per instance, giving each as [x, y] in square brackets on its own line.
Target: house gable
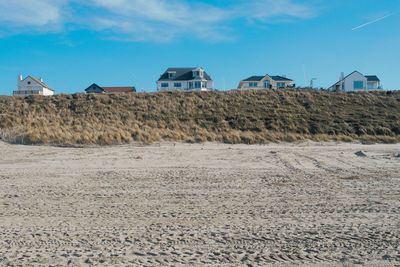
[94, 88]
[32, 82]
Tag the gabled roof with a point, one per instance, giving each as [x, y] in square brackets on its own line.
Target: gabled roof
[254, 79]
[94, 85]
[182, 74]
[372, 78]
[40, 82]
[259, 78]
[280, 78]
[119, 89]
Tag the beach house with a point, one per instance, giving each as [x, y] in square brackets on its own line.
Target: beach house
[32, 86]
[185, 79]
[265, 82]
[356, 81]
[94, 88]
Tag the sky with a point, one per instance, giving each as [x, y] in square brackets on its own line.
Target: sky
[72, 44]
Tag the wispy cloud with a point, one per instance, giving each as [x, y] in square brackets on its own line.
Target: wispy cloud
[31, 13]
[372, 22]
[159, 20]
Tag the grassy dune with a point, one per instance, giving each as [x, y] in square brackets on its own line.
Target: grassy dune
[231, 117]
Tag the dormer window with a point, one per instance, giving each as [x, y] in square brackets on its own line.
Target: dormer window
[198, 73]
[171, 75]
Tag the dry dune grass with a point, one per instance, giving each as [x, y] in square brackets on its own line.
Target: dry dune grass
[249, 117]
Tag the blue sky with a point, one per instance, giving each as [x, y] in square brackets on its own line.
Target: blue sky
[72, 43]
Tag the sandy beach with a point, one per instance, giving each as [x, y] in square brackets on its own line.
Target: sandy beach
[305, 204]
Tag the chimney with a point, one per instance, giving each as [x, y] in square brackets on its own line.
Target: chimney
[342, 76]
[19, 77]
[41, 79]
[284, 76]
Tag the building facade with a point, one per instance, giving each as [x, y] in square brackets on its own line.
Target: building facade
[185, 79]
[265, 82]
[32, 86]
[356, 81]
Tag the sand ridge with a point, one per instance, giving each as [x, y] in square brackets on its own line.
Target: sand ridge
[201, 204]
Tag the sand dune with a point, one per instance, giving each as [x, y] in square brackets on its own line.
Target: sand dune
[172, 204]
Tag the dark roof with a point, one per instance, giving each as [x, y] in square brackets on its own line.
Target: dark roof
[41, 83]
[119, 89]
[280, 78]
[181, 74]
[254, 79]
[372, 78]
[259, 78]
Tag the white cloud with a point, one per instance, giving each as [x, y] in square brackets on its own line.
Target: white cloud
[159, 20]
[265, 9]
[30, 12]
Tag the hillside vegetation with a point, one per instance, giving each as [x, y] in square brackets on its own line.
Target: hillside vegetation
[231, 117]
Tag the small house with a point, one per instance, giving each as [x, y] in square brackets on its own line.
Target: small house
[265, 82]
[94, 88]
[32, 86]
[356, 81]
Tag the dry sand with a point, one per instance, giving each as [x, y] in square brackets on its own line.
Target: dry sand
[212, 204]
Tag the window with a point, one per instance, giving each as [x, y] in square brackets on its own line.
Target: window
[267, 84]
[358, 85]
[177, 85]
[171, 75]
[253, 84]
[164, 85]
[370, 86]
[29, 82]
[197, 84]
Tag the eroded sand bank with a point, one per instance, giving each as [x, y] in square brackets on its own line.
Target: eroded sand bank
[306, 203]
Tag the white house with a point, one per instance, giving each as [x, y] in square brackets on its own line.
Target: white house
[185, 79]
[32, 86]
[265, 82]
[356, 81]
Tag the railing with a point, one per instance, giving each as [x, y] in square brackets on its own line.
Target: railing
[27, 92]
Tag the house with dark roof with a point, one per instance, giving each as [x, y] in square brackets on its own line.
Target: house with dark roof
[94, 88]
[356, 81]
[185, 79]
[265, 82]
[32, 86]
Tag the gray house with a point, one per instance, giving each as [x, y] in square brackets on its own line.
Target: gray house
[185, 79]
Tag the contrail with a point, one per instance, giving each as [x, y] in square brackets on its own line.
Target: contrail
[371, 22]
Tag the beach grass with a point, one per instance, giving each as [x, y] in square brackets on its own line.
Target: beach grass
[249, 117]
